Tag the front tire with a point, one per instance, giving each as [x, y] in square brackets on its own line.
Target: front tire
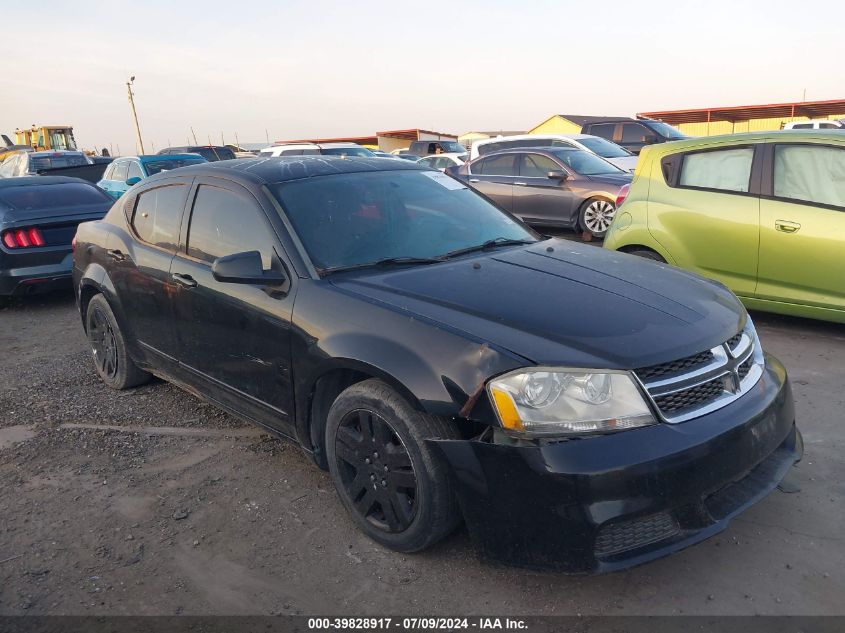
[397, 489]
[596, 215]
[108, 347]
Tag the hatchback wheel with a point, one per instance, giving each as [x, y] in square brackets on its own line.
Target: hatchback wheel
[596, 216]
[108, 347]
[397, 489]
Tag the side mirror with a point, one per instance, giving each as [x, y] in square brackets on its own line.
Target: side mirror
[133, 181]
[557, 174]
[245, 268]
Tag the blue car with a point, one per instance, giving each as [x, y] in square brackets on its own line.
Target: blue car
[130, 170]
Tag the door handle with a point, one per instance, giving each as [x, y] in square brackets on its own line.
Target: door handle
[521, 184]
[116, 254]
[474, 180]
[184, 280]
[786, 226]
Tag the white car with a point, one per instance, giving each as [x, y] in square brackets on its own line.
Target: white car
[304, 149]
[815, 124]
[608, 150]
[442, 161]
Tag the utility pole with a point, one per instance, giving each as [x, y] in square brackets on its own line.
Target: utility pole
[134, 113]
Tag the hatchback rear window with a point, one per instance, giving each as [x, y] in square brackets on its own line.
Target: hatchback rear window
[69, 194]
[50, 162]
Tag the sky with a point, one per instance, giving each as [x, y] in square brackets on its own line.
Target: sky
[290, 69]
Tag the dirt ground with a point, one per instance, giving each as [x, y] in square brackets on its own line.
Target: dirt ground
[152, 502]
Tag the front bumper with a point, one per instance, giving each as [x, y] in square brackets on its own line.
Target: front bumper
[604, 503]
[37, 278]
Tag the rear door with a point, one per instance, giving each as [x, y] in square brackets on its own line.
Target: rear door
[234, 338]
[802, 225]
[494, 177]
[140, 265]
[538, 199]
[708, 215]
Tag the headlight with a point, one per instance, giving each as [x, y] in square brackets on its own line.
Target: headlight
[547, 401]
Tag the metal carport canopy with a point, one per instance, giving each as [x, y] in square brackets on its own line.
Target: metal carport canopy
[734, 114]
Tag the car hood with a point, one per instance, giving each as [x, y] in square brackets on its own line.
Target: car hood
[613, 179]
[562, 303]
[628, 163]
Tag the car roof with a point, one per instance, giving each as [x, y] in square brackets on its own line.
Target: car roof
[52, 152]
[266, 170]
[23, 181]
[540, 149]
[748, 137]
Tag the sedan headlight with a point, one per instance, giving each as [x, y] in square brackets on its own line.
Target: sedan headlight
[546, 401]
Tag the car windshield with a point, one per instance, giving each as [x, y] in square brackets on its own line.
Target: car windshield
[665, 130]
[213, 153]
[349, 220]
[584, 163]
[346, 151]
[165, 164]
[66, 194]
[37, 163]
[604, 148]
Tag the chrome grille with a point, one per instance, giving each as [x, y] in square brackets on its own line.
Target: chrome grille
[701, 383]
[674, 367]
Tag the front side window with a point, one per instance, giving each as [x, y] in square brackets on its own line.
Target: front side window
[725, 170]
[537, 166]
[808, 173]
[120, 171]
[496, 166]
[584, 162]
[158, 215]
[224, 223]
[636, 133]
[357, 219]
[134, 170]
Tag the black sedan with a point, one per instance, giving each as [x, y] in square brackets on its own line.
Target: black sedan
[442, 360]
[558, 187]
[38, 219]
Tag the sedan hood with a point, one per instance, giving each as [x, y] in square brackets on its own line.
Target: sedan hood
[562, 303]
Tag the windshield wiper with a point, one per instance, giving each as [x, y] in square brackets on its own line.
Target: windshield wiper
[382, 263]
[494, 243]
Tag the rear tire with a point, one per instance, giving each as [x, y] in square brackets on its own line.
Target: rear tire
[647, 254]
[596, 215]
[396, 488]
[108, 347]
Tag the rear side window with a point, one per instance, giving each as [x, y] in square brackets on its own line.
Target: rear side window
[496, 166]
[158, 215]
[810, 174]
[724, 170]
[802, 126]
[604, 130]
[70, 194]
[224, 223]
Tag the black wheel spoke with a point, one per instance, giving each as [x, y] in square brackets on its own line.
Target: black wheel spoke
[376, 470]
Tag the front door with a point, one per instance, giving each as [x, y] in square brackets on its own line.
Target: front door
[538, 199]
[494, 177]
[234, 338]
[802, 224]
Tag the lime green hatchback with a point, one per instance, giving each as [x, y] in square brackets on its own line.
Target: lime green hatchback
[762, 213]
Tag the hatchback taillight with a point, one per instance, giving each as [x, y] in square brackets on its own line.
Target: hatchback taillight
[623, 193]
[23, 238]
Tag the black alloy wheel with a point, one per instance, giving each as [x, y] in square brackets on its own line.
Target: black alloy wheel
[103, 343]
[376, 470]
